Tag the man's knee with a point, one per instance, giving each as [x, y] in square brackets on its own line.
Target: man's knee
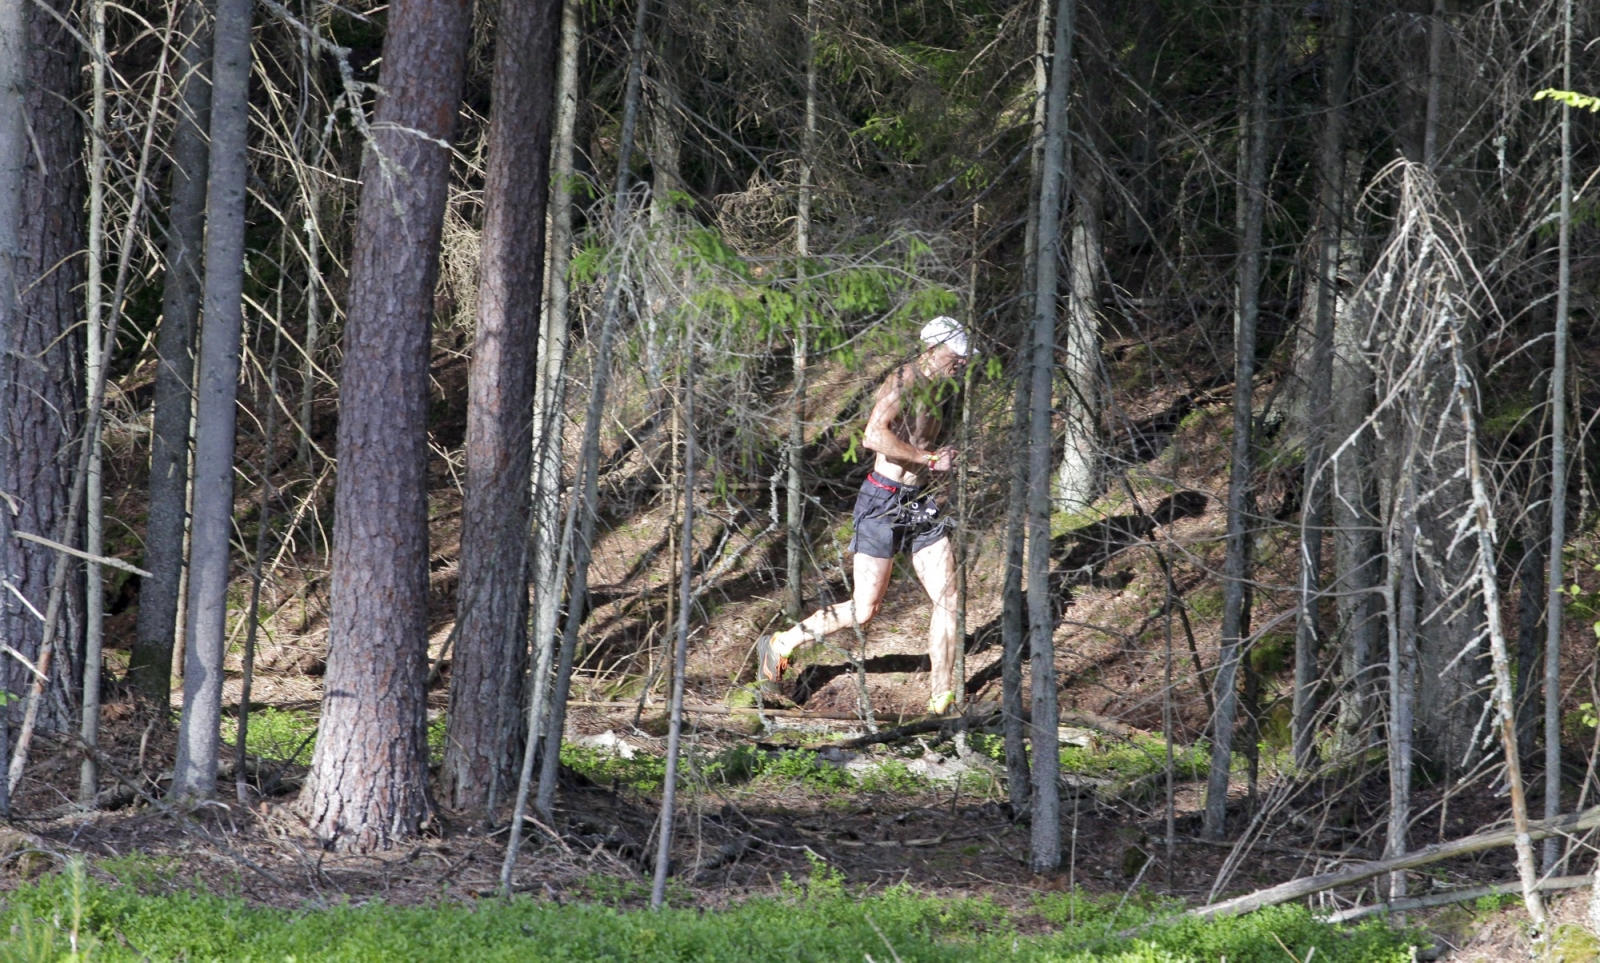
[865, 610]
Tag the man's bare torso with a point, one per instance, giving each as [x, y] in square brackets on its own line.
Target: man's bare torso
[917, 418]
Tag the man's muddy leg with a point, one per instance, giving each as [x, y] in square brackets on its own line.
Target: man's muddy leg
[871, 578]
[936, 568]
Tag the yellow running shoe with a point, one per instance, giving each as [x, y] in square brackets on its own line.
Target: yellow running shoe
[941, 703]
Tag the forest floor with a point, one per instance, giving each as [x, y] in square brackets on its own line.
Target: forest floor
[768, 799]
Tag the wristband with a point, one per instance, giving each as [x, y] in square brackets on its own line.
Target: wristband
[933, 457]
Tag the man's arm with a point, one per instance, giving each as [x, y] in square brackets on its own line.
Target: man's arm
[881, 437]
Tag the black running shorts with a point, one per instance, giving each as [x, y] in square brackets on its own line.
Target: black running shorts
[891, 517]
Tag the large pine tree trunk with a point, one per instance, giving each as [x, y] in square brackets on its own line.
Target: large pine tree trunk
[195, 771]
[492, 617]
[1046, 805]
[368, 781]
[1236, 566]
[41, 400]
[150, 663]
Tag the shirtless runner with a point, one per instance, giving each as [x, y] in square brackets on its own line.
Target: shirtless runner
[894, 513]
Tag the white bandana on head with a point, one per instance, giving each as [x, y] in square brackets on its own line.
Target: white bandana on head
[946, 331]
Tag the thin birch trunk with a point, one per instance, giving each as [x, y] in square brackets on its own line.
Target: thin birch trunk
[1041, 84]
[311, 184]
[794, 534]
[1045, 849]
[963, 502]
[94, 520]
[1558, 466]
[13, 158]
[669, 787]
[1078, 483]
[549, 409]
[1236, 566]
[1401, 597]
[1313, 514]
[1484, 523]
[536, 719]
[589, 457]
[161, 597]
[195, 769]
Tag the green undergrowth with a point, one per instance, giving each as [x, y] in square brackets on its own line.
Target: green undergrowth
[277, 735]
[741, 765]
[1128, 765]
[1123, 761]
[134, 910]
[290, 735]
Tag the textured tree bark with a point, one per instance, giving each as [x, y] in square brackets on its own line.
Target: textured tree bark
[195, 770]
[589, 457]
[1450, 696]
[40, 409]
[368, 782]
[13, 160]
[1079, 482]
[150, 663]
[1330, 227]
[492, 595]
[1013, 638]
[1354, 513]
[1045, 811]
[1236, 566]
[1558, 463]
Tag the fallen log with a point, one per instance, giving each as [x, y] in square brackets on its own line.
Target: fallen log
[1306, 886]
[719, 710]
[1455, 896]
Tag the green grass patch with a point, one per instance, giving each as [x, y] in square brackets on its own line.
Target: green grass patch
[737, 765]
[77, 916]
[278, 735]
[1123, 761]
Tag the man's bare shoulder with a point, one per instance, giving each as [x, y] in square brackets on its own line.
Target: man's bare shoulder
[898, 380]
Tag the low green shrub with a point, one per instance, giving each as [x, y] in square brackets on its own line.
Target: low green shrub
[78, 916]
[278, 735]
